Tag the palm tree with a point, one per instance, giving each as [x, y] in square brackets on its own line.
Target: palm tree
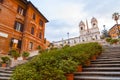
[116, 17]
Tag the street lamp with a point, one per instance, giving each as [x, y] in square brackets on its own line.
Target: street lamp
[68, 37]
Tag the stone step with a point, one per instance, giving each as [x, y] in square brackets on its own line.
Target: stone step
[4, 78]
[111, 51]
[5, 74]
[95, 78]
[107, 74]
[111, 69]
[104, 65]
[6, 71]
[109, 59]
[110, 54]
[106, 62]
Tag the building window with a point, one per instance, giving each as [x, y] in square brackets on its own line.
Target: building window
[30, 45]
[18, 26]
[15, 43]
[34, 16]
[41, 23]
[1, 1]
[40, 35]
[96, 37]
[21, 11]
[32, 30]
[81, 28]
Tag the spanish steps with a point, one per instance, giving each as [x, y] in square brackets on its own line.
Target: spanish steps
[105, 67]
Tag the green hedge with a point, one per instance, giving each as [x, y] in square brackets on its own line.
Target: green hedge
[54, 64]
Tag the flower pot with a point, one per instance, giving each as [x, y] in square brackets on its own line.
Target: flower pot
[93, 57]
[70, 76]
[87, 63]
[4, 64]
[79, 68]
[24, 58]
[15, 58]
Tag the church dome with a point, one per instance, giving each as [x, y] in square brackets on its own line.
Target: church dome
[93, 20]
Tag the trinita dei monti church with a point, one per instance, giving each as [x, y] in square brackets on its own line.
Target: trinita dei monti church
[87, 34]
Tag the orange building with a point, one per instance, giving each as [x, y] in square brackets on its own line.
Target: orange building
[114, 31]
[22, 26]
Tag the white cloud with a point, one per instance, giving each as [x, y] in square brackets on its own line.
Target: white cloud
[65, 15]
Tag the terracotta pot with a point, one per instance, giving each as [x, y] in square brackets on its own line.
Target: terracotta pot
[4, 64]
[93, 57]
[24, 58]
[15, 58]
[70, 76]
[88, 63]
[79, 68]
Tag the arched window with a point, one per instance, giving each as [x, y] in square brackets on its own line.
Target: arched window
[81, 28]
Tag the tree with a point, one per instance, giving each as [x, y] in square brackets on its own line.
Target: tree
[116, 17]
[105, 33]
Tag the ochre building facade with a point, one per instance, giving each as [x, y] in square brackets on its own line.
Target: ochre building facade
[22, 26]
[114, 32]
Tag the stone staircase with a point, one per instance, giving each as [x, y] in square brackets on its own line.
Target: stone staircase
[5, 73]
[106, 67]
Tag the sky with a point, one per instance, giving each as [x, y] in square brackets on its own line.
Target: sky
[65, 15]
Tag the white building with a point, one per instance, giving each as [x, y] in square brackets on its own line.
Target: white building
[87, 34]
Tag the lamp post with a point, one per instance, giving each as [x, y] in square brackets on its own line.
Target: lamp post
[104, 27]
[68, 37]
[104, 31]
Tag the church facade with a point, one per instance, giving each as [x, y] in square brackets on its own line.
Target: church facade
[87, 34]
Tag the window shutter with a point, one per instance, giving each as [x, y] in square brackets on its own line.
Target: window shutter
[18, 9]
[22, 27]
[24, 12]
[15, 24]
[11, 42]
[19, 44]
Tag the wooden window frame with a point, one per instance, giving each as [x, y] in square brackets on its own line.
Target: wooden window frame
[18, 26]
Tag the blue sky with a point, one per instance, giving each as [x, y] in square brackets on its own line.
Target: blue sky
[64, 15]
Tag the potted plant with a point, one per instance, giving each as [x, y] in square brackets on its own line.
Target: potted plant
[14, 54]
[5, 60]
[68, 67]
[108, 39]
[114, 41]
[79, 58]
[25, 55]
